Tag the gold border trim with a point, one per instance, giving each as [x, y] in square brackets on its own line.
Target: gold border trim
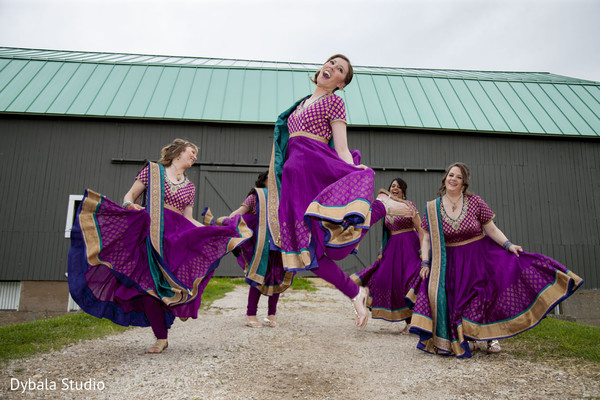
[260, 240]
[527, 319]
[396, 315]
[89, 229]
[476, 238]
[309, 136]
[403, 231]
[273, 205]
[178, 211]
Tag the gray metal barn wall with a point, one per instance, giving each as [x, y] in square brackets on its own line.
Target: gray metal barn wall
[545, 191]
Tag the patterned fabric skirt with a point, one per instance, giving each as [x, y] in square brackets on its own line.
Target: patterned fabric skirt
[324, 207]
[269, 278]
[390, 279]
[491, 294]
[109, 272]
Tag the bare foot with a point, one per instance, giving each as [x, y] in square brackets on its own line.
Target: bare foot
[360, 307]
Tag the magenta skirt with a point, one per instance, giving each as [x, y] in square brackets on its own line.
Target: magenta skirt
[390, 279]
[108, 268]
[324, 206]
[491, 294]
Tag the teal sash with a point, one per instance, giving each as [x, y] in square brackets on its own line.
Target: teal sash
[437, 279]
[256, 269]
[167, 287]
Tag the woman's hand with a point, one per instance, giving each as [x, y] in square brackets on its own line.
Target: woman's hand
[424, 273]
[361, 166]
[515, 249]
[379, 257]
[134, 206]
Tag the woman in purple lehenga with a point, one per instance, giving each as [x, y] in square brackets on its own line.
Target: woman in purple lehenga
[478, 286]
[262, 266]
[398, 264]
[141, 266]
[320, 196]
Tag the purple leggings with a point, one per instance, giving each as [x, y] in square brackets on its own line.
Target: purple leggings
[156, 316]
[253, 299]
[329, 271]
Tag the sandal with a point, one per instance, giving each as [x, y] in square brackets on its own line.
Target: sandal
[158, 347]
[473, 346]
[362, 296]
[253, 323]
[406, 330]
[271, 323]
[493, 347]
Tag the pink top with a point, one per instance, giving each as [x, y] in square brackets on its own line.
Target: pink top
[396, 223]
[317, 117]
[475, 213]
[250, 202]
[178, 195]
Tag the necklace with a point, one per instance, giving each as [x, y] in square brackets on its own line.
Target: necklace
[454, 203]
[174, 186]
[455, 223]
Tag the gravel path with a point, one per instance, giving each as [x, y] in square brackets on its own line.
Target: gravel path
[316, 353]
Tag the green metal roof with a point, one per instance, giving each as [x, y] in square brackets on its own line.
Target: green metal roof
[190, 88]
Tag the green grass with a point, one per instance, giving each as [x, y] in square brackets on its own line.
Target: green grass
[554, 339]
[303, 284]
[29, 338]
[217, 288]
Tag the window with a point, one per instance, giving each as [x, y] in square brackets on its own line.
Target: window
[10, 293]
[74, 201]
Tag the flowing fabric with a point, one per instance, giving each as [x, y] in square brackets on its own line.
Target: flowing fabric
[117, 256]
[476, 290]
[319, 205]
[390, 279]
[262, 266]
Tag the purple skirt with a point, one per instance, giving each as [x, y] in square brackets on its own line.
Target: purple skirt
[271, 280]
[108, 269]
[390, 279]
[324, 206]
[491, 294]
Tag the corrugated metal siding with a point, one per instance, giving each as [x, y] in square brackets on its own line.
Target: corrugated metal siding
[95, 84]
[10, 294]
[545, 191]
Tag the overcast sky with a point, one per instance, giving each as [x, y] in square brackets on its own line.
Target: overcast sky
[558, 36]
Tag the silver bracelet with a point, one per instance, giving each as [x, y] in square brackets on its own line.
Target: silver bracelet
[126, 204]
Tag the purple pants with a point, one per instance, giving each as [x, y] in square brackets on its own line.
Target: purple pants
[253, 299]
[156, 316]
[329, 271]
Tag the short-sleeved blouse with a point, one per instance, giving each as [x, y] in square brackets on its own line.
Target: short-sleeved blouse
[178, 195]
[250, 202]
[317, 117]
[475, 213]
[396, 223]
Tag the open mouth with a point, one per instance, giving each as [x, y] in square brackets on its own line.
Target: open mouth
[326, 74]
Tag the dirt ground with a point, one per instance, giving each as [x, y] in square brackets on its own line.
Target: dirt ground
[316, 353]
